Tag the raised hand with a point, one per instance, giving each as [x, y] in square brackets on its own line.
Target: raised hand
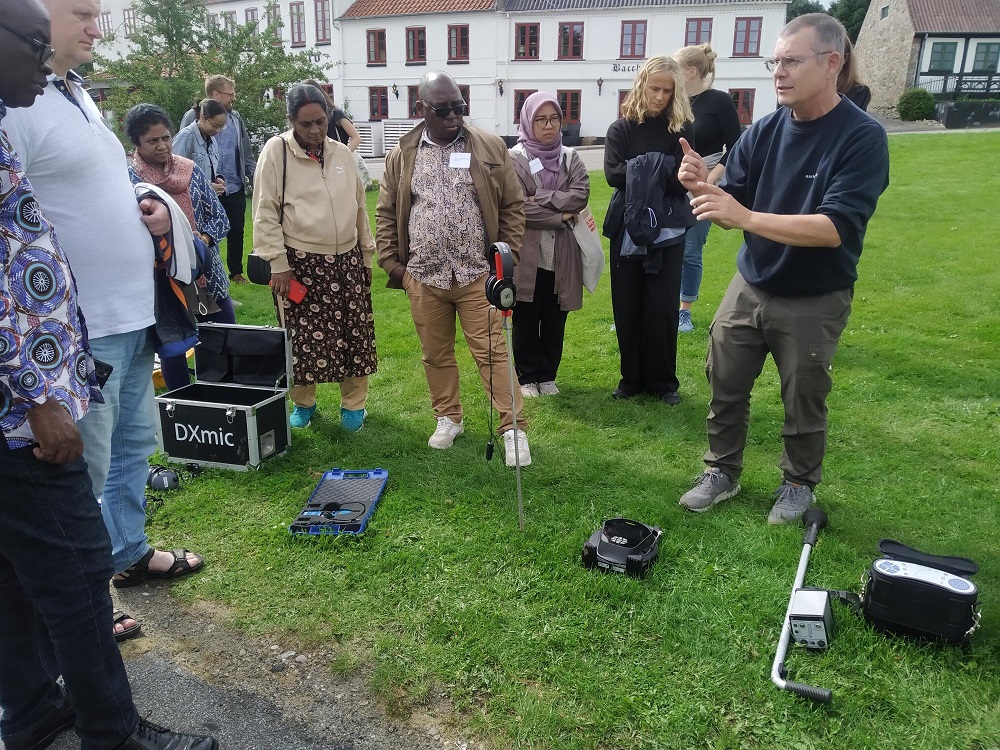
[693, 169]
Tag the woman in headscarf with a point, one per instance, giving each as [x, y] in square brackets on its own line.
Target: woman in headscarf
[549, 274]
[311, 224]
[148, 127]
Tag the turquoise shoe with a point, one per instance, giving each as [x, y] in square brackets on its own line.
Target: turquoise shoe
[352, 420]
[302, 416]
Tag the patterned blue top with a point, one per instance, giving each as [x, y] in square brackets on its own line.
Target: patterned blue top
[44, 352]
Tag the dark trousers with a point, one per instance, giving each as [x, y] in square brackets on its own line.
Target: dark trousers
[175, 369]
[645, 310]
[802, 334]
[235, 206]
[55, 617]
[539, 330]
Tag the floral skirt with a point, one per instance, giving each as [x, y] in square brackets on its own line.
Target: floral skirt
[332, 330]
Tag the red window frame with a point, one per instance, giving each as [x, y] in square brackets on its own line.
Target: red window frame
[519, 96]
[274, 17]
[744, 99]
[636, 50]
[229, 21]
[458, 43]
[569, 99]
[250, 16]
[322, 11]
[523, 33]
[567, 32]
[412, 97]
[378, 102]
[297, 23]
[622, 96]
[416, 45]
[376, 46]
[466, 97]
[695, 31]
[749, 27]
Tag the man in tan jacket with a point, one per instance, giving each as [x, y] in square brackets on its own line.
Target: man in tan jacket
[448, 192]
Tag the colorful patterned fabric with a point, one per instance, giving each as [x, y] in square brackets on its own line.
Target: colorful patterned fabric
[43, 338]
[61, 87]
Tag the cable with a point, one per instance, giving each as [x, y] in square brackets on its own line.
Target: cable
[490, 446]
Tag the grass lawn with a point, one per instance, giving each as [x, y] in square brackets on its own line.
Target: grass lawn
[444, 593]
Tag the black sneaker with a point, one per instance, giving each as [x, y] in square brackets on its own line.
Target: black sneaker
[150, 736]
[45, 731]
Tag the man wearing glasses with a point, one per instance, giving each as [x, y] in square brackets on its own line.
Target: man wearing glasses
[802, 184]
[236, 166]
[448, 192]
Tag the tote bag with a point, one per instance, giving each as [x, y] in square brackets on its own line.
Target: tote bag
[589, 238]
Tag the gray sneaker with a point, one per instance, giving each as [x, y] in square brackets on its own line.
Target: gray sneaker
[792, 501]
[709, 489]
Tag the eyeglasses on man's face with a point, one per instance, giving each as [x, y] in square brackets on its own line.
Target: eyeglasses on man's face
[45, 52]
[443, 112]
[547, 122]
[790, 63]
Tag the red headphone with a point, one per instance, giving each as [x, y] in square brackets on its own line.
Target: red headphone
[500, 290]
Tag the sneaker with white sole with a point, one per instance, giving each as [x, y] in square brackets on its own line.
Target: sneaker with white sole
[529, 390]
[445, 433]
[792, 500]
[516, 448]
[548, 388]
[684, 323]
[711, 488]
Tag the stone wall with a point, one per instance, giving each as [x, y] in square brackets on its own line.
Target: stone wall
[887, 52]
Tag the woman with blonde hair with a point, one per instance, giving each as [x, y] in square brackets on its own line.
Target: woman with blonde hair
[848, 82]
[716, 130]
[642, 155]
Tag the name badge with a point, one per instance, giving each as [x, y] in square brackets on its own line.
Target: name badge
[535, 165]
[460, 161]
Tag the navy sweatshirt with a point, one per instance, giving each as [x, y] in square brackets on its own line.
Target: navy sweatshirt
[837, 165]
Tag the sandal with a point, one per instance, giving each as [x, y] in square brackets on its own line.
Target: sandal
[135, 574]
[120, 617]
[181, 566]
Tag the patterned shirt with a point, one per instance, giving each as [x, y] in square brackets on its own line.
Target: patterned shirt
[44, 352]
[447, 233]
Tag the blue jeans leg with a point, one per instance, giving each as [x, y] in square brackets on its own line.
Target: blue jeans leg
[118, 438]
[55, 562]
[691, 269]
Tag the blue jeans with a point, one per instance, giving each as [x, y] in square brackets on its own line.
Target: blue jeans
[118, 438]
[55, 562]
[691, 268]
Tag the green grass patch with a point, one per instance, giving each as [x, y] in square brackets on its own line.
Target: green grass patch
[444, 591]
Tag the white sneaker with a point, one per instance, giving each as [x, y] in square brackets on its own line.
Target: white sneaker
[529, 390]
[523, 453]
[446, 433]
[548, 388]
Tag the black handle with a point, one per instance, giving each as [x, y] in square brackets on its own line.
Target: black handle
[814, 519]
[820, 695]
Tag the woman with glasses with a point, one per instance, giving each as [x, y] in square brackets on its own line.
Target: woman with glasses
[311, 224]
[549, 273]
[642, 155]
[197, 141]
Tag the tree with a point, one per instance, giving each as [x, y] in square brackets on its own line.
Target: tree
[174, 49]
[798, 8]
[852, 14]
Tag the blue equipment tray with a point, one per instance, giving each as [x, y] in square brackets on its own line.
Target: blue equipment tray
[342, 503]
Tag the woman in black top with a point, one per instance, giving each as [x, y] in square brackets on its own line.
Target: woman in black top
[848, 82]
[340, 127]
[645, 281]
[716, 128]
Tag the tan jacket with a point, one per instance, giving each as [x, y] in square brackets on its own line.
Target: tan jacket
[501, 198]
[324, 207]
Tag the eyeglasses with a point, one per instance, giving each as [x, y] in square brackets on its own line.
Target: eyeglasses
[45, 52]
[790, 63]
[443, 112]
[544, 122]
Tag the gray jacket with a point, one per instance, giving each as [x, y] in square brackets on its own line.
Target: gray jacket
[190, 143]
[245, 161]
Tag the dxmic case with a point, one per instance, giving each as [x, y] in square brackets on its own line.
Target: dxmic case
[234, 415]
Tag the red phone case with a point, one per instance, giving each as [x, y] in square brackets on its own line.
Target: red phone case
[296, 292]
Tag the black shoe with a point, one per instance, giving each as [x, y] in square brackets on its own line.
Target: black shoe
[671, 397]
[621, 394]
[45, 731]
[150, 736]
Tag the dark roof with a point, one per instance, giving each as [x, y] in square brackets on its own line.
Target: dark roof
[955, 16]
[369, 8]
[521, 6]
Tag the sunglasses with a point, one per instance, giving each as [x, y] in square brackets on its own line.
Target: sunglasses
[443, 112]
[45, 52]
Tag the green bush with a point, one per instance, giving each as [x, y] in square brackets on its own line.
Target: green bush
[915, 104]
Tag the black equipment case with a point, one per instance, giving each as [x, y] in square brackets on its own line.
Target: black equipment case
[234, 415]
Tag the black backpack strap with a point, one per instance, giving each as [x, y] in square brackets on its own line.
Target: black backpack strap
[284, 178]
[962, 566]
[849, 599]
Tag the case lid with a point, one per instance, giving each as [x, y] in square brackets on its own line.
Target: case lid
[962, 566]
[246, 355]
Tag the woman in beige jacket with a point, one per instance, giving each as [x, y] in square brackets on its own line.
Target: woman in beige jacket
[310, 223]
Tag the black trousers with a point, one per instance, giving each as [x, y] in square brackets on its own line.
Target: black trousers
[235, 206]
[645, 309]
[539, 330]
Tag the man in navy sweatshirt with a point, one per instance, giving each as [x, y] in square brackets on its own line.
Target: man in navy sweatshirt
[802, 184]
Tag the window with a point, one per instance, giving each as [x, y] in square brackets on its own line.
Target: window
[622, 96]
[251, 15]
[378, 102]
[987, 58]
[376, 46]
[322, 9]
[466, 97]
[416, 45]
[213, 21]
[884, 12]
[229, 21]
[570, 41]
[274, 22]
[519, 96]
[743, 99]
[569, 102]
[633, 39]
[526, 41]
[130, 20]
[942, 57]
[328, 88]
[698, 31]
[458, 43]
[412, 95]
[297, 19]
[746, 42]
[104, 22]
